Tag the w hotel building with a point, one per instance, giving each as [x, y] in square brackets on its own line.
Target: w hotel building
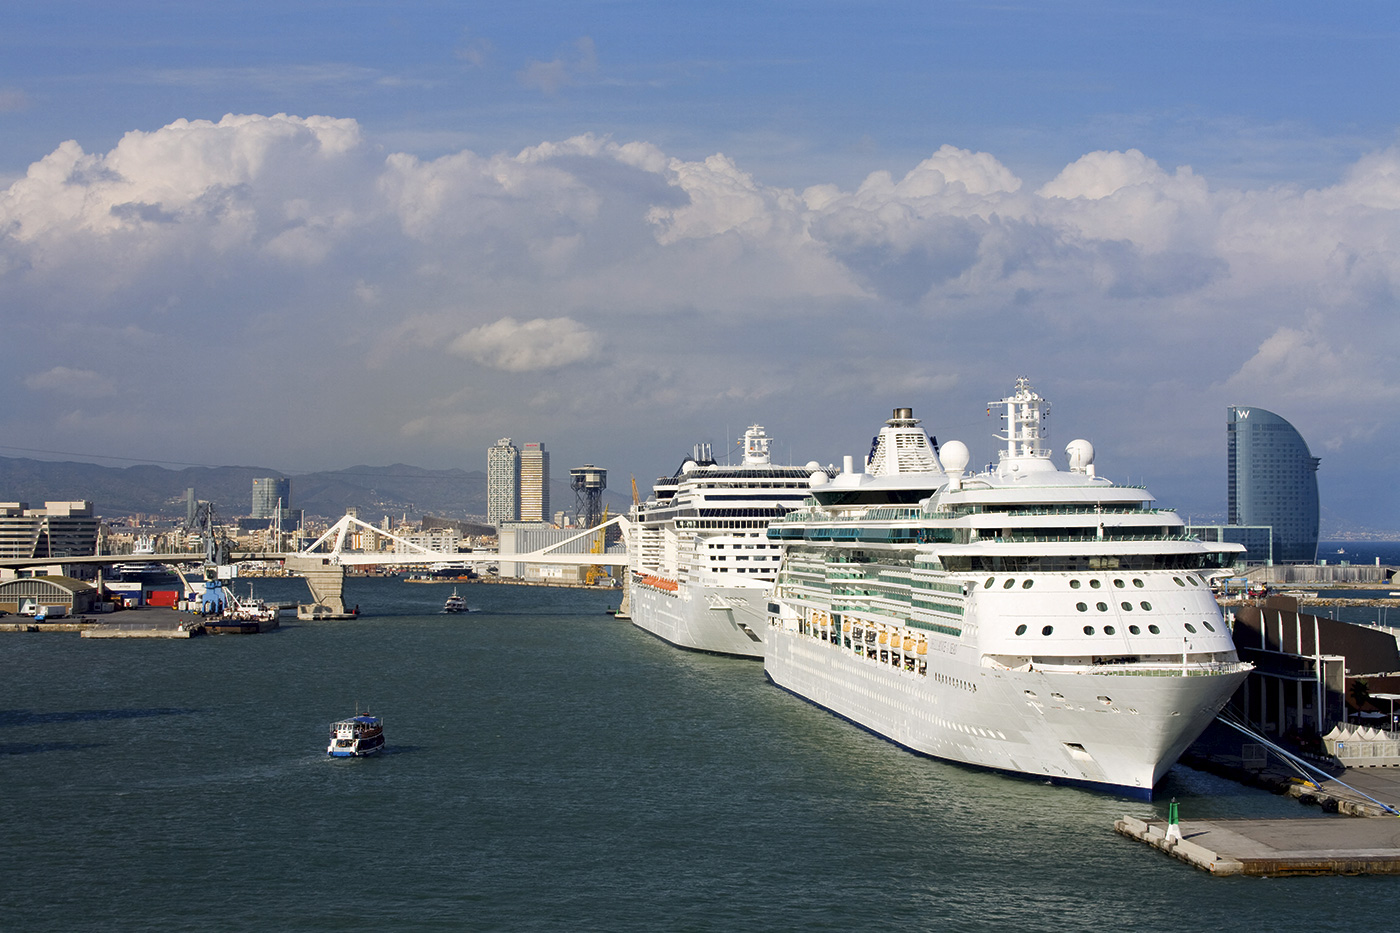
[1273, 481]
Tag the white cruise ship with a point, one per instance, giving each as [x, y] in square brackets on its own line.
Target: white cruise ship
[1024, 618]
[700, 562]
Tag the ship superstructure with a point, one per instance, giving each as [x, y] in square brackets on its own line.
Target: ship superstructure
[701, 562]
[1023, 618]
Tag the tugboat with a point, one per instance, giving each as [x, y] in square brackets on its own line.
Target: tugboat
[356, 737]
[454, 603]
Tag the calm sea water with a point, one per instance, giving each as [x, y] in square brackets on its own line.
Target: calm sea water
[548, 768]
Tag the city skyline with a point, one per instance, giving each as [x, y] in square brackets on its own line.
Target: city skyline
[628, 234]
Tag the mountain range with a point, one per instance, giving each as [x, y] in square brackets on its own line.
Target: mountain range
[122, 491]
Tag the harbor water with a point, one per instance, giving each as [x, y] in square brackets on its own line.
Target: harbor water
[547, 768]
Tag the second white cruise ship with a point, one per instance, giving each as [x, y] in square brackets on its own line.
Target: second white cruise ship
[700, 560]
[1023, 618]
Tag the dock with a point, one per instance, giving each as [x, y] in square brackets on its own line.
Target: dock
[1318, 845]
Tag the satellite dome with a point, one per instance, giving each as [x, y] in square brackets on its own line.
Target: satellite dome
[689, 466]
[818, 478]
[1081, 455]
[813, 465]
[955, 456]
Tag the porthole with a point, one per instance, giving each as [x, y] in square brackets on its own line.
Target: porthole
[1082, 607]
[1088, 630]
[1192, 580]
[1127, 606]
[1096, 583]
[1134, 630]
[1047, 630]
[1154, 630]
[991, 580]
[1190, 628]
[1109, 630]
[1119, 583]
[1008, 584]
[1074, 584]
[1027, 584]
[1178, 581]
[1146, 606]
[1138, 583]
[1102, 607]
[1020, 630]
[1209, 627]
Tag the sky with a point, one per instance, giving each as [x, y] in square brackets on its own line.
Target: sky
[312, 235]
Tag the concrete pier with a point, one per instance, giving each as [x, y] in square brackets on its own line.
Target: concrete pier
[1322, 845]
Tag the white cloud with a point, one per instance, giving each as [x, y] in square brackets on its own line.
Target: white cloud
[77, 383]
[527, 346]
[287, 251]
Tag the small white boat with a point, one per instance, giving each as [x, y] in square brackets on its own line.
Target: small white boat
[455, 603]
[356, 737]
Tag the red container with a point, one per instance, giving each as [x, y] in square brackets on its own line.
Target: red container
[166, 598]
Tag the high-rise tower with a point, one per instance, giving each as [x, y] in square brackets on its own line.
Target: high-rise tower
[271, 493]
[534, 483]
[503, 483]
[1273, 481]
[588, 482]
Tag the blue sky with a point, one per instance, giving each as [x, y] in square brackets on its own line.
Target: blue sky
[621, 228]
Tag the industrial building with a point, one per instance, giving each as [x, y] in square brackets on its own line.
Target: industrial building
[1273, 481]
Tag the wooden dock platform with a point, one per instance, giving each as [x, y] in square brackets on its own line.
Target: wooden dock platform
[1318, 845]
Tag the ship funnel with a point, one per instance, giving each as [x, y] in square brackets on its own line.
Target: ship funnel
[902, 414]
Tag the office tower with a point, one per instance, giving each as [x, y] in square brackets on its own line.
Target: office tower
[271, 493]
[503, 483]
[534, 483]
[1273, 481]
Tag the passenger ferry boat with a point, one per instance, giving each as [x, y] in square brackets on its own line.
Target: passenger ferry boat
[356, 737]
[1023, 618]
[700, 561]
[454, 603]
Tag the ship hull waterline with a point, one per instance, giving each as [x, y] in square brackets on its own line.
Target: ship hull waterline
[1051, 726]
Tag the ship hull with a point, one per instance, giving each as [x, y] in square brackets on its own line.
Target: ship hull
[1113, 732]
[717, 620]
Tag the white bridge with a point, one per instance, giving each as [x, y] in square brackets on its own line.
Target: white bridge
[323, 562]
[331, 546]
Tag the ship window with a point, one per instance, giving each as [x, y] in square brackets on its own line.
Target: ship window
[1109, 630]
[1192, 581]
[1020, 630]
[1088, 630]
[1119, 583]
[1146, 606]
[1190, 628]
[1127, 607]
[1082, 607]
[1134, 630]
[1095, 583]
[1154, 630]
[1178, 581]
[1047, 630]
[1008, 584]
[1027, 584]
[1209, 627]
[1074, 584]
[1102, 607]
[988, 584]
[1137, 583]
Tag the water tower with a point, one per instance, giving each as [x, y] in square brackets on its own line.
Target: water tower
[589, 483]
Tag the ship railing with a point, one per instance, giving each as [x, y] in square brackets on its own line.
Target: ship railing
[1144, 669]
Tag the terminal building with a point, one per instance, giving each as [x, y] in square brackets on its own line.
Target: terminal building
[58, 530]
